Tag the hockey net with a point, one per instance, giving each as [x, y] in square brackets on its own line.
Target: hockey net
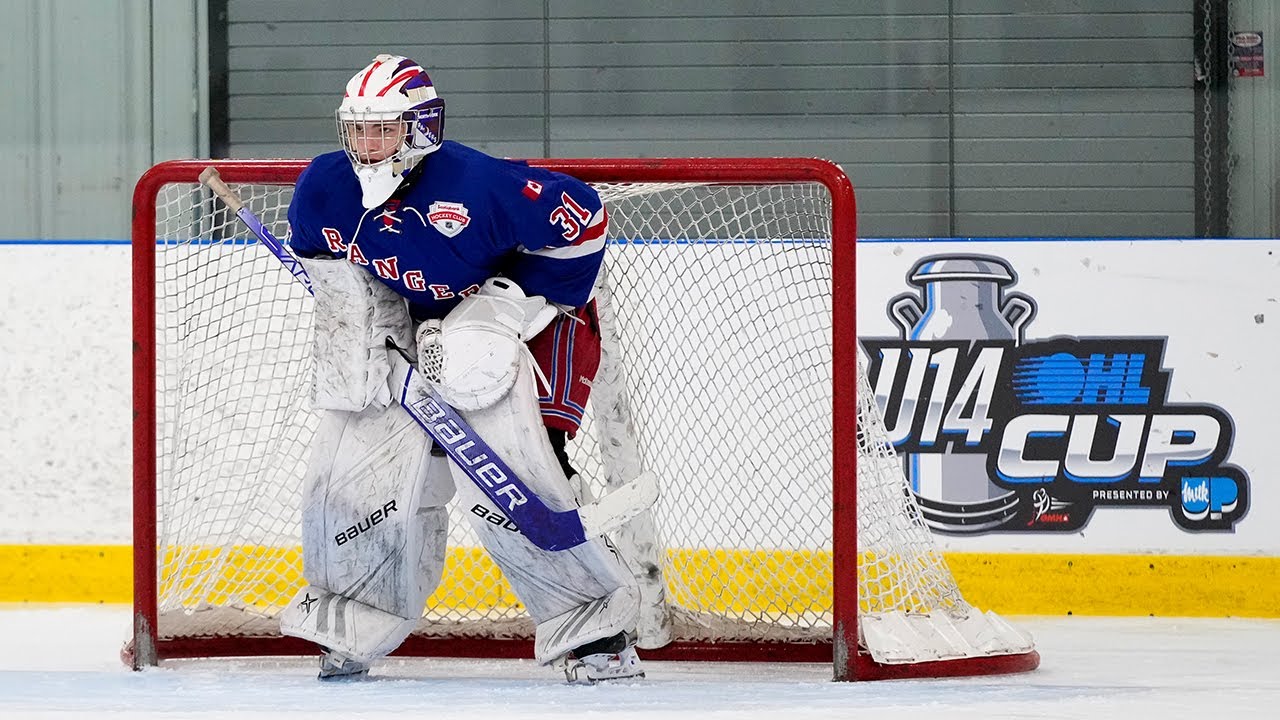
[785, 529]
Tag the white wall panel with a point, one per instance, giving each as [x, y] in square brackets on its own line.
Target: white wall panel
[89, 107]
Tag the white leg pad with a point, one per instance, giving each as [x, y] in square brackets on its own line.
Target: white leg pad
[551, 584]
[374, 531]
[601, 618]
[361, 632]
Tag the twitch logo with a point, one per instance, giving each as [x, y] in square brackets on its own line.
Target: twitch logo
[1001, 433]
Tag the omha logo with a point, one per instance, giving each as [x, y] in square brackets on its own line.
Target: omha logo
[1001, 433]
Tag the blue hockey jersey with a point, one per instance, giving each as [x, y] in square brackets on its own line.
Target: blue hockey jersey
[465, 218]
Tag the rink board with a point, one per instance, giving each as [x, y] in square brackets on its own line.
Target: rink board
[1212, 300]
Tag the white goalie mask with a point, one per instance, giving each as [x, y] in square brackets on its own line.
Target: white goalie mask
[389, 119]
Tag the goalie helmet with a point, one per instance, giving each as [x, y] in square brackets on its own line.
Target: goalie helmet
[390, 118]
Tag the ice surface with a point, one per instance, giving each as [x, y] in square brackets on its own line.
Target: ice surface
[63, 662]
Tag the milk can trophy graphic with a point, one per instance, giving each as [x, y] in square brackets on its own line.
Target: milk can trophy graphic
[961, 297]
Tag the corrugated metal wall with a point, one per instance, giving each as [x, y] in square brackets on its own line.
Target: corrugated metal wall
[1074, 117]
[487, 57]
[971, 117]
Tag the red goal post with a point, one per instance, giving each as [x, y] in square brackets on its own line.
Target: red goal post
[187, 255]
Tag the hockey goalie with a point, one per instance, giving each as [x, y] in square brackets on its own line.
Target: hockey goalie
[483, 270]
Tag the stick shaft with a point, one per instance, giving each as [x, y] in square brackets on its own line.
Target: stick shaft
[210, 177]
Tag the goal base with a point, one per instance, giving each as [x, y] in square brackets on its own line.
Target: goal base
[867, 669]
[863, 666]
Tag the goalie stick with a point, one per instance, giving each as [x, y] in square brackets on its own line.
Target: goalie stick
[546, 528]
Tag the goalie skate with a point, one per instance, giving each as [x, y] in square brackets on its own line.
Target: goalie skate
[336, 666]
[611, 658]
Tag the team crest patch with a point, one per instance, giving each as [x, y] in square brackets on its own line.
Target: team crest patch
[449, 218]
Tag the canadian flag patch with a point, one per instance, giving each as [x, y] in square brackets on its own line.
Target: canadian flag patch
[532, 189]
[449, 218]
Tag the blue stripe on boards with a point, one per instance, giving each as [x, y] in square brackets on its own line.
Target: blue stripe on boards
[717, 241]
[1051, 239]
[799, 241]
[107, 241]
[39, 241]
[697, 241]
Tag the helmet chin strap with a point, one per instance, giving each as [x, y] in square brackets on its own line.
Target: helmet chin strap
[377, 183]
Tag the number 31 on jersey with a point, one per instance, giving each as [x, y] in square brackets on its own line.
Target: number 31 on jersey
[571, 217]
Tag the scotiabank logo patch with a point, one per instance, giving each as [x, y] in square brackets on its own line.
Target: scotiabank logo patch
[449, 218]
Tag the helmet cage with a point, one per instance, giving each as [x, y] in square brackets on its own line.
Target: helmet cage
[421, 132]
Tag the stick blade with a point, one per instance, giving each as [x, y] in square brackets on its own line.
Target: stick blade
[613, 510]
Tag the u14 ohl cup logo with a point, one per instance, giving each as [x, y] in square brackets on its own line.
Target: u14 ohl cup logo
[998, 433]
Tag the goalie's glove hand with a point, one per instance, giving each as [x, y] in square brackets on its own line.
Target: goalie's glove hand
[473, 355]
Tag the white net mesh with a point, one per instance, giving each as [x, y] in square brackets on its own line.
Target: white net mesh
[719, 299]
